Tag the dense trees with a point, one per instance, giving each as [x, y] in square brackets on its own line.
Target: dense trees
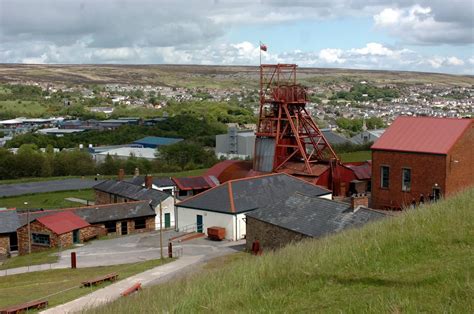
[185, 156]
[29, 161]
[355, 125]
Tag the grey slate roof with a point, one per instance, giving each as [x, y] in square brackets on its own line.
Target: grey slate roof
[242, 195]
[8, 221]
[159, 182]
[333, 138]
[132, 191]
[98, 213]
[313, 216]
[118, 211]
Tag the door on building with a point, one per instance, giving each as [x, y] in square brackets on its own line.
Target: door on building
[13, 242]
[436, 193]
[75, 237]
[124, 228]
[167, 220]
[199, 223]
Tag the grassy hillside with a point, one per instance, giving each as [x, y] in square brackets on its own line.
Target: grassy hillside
[421, 261]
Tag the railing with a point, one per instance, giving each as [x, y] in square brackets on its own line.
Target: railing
[188, 228]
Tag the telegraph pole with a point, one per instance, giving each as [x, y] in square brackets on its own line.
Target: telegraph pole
[161, 230]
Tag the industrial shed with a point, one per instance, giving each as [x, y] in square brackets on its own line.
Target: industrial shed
[226, 205]
[422, 158]
[190, 186]
[302, 217]
[113, 191]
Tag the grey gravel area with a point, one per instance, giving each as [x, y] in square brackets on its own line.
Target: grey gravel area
[46, 186]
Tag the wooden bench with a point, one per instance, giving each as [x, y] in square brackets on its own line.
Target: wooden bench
[98, 280]
[20, 308]
[132, 289]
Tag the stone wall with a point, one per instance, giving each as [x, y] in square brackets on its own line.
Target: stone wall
[108, 198]
[63, 240]
[4, 246]
[271, 237]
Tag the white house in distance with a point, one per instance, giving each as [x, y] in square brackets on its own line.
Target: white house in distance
[166, 185]
[227, 204]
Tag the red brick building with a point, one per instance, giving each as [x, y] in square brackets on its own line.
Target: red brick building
[419, 157]
[60, 229]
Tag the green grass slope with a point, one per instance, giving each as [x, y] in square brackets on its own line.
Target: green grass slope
[421, 261]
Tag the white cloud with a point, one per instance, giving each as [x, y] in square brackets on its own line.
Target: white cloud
[374, 49]
[454, 61]
[437, 62]
[419, 25]
[331, 55]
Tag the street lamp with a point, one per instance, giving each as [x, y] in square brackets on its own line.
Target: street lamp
[29, 227]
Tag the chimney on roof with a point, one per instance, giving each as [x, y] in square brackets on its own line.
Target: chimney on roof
[148, 182]
[137, 172]
[359, 200]
[121, 174]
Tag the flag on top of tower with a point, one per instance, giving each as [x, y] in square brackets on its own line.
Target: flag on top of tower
[263, 46]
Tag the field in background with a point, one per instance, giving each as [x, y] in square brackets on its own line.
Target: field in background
[62, 282]
[47, 200]
[192, 76]
[356, 156]
[420, 261]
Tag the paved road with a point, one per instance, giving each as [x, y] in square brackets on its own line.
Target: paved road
[46, 186]
[132, 249]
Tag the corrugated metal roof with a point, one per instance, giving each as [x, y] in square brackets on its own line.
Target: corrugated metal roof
[313, 216]
[422, 134]
[196, 183]
[362, 172]
[155, 140]
[63, 222]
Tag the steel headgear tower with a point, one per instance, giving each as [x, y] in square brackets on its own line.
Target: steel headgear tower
[288, 139]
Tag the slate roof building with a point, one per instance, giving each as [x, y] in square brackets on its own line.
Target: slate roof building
[117, 191]
[8, 224]
[166, 185]
[226, 205]
[422, 158]
[334, 138]
[367, 136]
[300, 217]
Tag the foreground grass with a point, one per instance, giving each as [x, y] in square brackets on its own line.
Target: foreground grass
[32, 286]
[420, 261]
[178, 174]
[45, 257]
[47, 200]
[356, 156]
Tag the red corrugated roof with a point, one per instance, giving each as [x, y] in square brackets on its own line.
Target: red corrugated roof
[362, 171]
[422, 134]
[195, 183]
[63, 222]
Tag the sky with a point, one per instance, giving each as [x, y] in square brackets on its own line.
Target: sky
[414, 35]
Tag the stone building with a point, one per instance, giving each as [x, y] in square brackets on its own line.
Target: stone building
[422, 158]
[8, 224]
[302, 217]
[227, 205]
[118, 191]
[59, 229]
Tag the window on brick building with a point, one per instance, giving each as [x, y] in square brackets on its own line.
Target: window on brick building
[40, 239]
[406, 179]
[384, 177]
[140, 223]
